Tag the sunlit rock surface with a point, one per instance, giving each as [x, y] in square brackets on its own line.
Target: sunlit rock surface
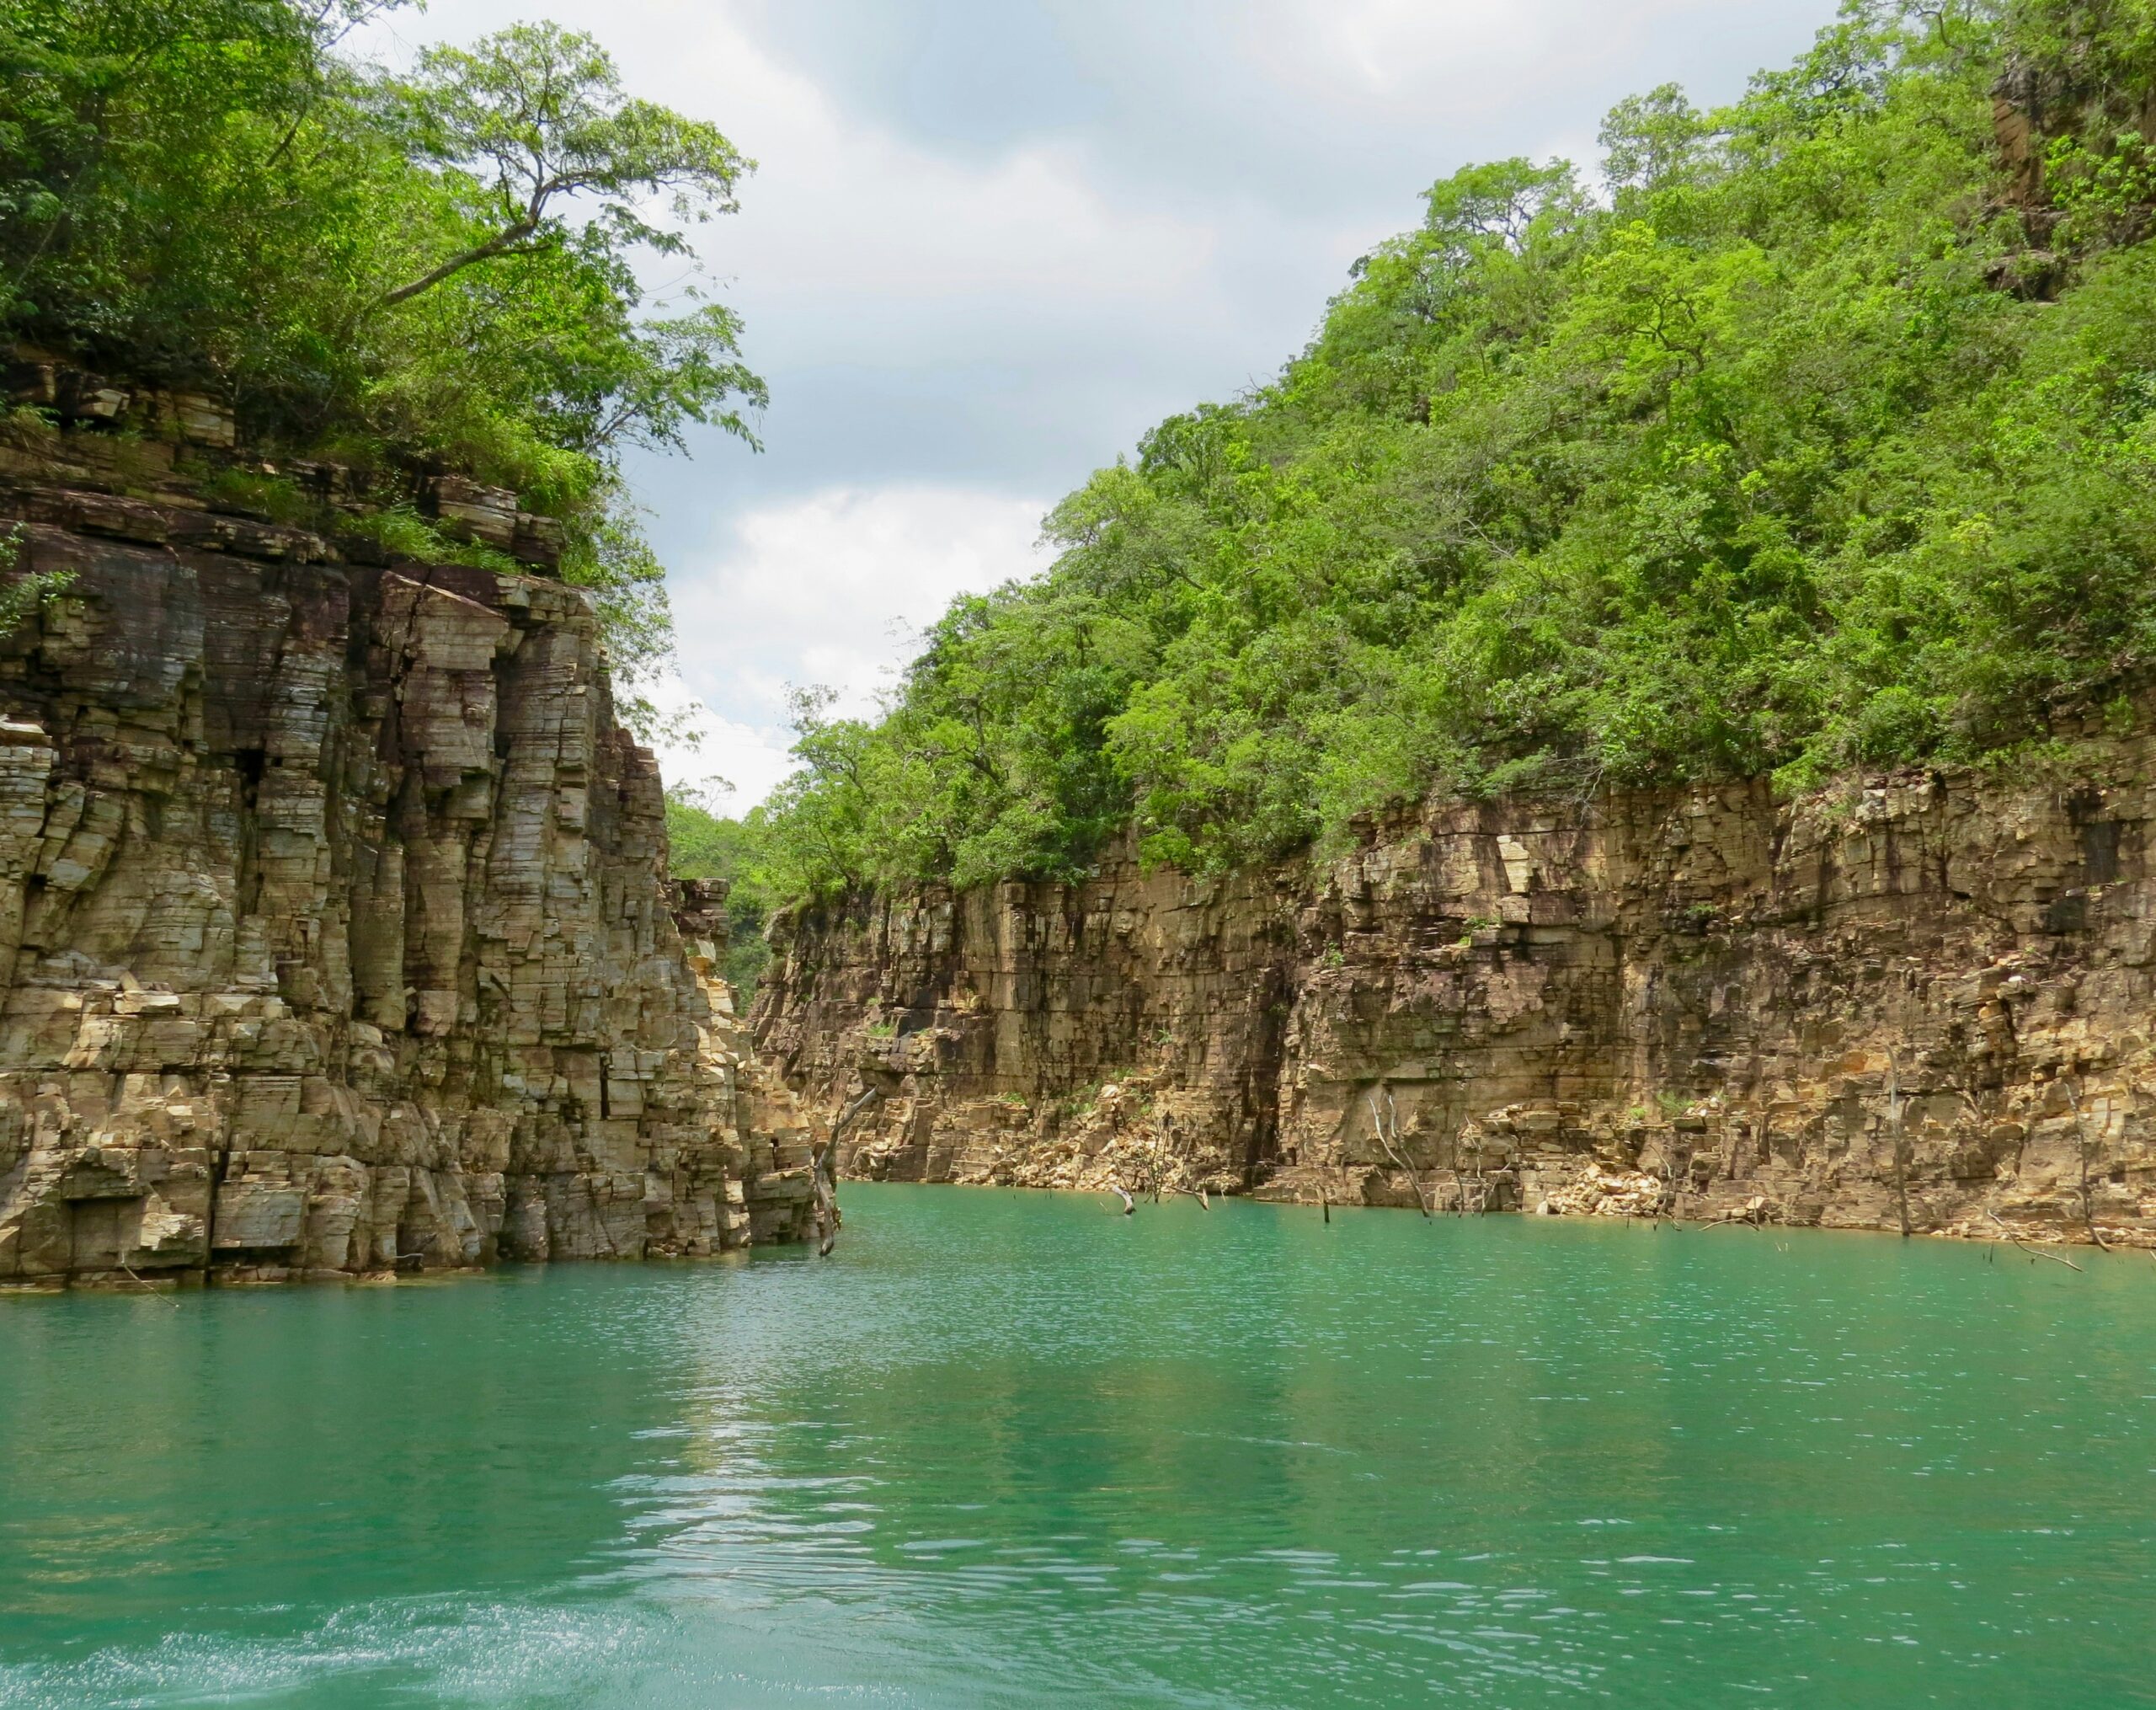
[1928, 991]
[334, 932]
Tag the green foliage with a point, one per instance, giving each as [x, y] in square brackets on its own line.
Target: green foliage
[266, 498]
[432, 269]
[404, 533]
[1768, 457]
[24, 593]
[705, 845]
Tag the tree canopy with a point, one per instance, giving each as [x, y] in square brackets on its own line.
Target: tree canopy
[419, 267]
[1815, 432]
[703, 845]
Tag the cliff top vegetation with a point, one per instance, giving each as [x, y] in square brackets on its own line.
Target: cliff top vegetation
[1812, 432]
[428, 269]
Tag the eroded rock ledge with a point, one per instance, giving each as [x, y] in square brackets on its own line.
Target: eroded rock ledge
[335, 932]
[1935, 992]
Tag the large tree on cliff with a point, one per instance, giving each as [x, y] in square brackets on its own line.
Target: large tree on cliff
[439, 265]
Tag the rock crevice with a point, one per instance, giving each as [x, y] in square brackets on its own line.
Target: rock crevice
[1926, 997]
[335, 925]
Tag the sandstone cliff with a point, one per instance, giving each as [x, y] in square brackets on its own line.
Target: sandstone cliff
[334, 932]
[1930, 997]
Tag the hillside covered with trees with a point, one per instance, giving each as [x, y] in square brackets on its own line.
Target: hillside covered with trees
[400, 270]
[1815, 432]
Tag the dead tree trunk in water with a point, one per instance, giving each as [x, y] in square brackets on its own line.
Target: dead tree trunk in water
[1391, 1152]
[2081, 1149]
[824, 1171]
[1895, 1121]
[827, 1201]
[1458, 1181]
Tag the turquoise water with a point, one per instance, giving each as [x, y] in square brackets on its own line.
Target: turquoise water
[1013, 1449]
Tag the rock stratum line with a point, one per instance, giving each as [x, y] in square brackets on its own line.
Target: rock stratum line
[1934, 991]
[335, 928]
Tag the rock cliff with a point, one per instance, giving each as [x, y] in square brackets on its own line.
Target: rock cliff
[334, 931]
[1924, 1000]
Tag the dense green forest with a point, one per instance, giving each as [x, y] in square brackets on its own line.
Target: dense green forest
[397, 269]
[703, 845]
[1814, 432]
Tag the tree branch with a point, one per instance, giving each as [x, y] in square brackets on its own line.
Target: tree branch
[506, 242]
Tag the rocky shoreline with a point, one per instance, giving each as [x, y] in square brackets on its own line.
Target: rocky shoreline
[1923, 1001]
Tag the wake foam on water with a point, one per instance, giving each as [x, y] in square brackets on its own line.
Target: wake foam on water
[446, 1648]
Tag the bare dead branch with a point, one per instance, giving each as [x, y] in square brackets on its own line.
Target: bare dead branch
[2034, 1253]
[1391, 1152]
[2081, 1148]
[1896, 1121]
[824, 1174]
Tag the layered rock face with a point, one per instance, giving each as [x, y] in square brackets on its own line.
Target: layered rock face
[335, 932]
[1924, 1000]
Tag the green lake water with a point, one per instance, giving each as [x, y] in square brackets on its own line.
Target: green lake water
[1011, 1449]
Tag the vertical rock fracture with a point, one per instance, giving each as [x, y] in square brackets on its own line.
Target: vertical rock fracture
[335, 936]
[1916, 1001]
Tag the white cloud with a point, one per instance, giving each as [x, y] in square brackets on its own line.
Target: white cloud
[1472, 56]
[732, 767]
[831, 589]
[991, 241]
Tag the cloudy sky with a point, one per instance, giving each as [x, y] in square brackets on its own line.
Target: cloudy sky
[989, 242]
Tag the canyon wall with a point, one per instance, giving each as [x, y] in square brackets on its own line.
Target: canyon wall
[1923, 1000]
[335, 936]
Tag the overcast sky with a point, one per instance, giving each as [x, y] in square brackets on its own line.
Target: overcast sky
[990, 242]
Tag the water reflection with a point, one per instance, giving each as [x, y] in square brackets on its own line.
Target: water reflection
[1462, 1455]
[1013, 1450]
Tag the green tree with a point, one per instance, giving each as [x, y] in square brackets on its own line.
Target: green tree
[400, 270]
[1823, 439]
[705, 845]
[534, 117]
